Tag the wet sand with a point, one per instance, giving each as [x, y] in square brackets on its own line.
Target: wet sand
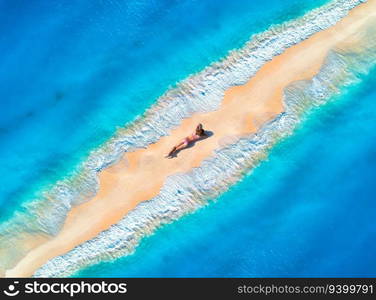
[140, 175]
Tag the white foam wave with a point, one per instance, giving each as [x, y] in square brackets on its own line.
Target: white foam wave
[183, 193]
[200, 92]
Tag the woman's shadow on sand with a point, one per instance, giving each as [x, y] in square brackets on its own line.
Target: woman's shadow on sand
[191, 144]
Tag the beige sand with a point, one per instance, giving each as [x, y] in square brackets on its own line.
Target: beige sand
[141, 174]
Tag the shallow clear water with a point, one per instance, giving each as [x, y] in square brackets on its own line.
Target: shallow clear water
[307, 211]
[72, 73]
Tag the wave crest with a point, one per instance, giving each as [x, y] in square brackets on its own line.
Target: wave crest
[183, 193]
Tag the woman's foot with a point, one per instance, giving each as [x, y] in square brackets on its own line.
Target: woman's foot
[171, 152]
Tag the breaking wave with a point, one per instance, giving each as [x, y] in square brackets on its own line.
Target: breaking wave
[184, 193]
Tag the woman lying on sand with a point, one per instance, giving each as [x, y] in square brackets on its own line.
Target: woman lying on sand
[199, 134]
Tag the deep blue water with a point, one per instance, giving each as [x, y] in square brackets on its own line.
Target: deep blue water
[309, 210]
[72, 71]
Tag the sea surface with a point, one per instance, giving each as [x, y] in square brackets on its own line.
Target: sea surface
[72, 73]
[308, 210]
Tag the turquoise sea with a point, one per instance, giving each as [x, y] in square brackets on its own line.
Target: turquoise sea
[72, 73]
[308, 210]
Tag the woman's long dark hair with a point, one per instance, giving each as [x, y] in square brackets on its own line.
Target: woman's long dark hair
[200, 131]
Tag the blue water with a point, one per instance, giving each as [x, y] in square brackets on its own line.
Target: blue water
[72, 72]
[309, 210]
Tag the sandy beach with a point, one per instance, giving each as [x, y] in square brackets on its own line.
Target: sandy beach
[140, 175]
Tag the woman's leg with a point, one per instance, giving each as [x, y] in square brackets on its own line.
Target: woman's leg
[171, 152]
[178, 147]
[181, 146]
